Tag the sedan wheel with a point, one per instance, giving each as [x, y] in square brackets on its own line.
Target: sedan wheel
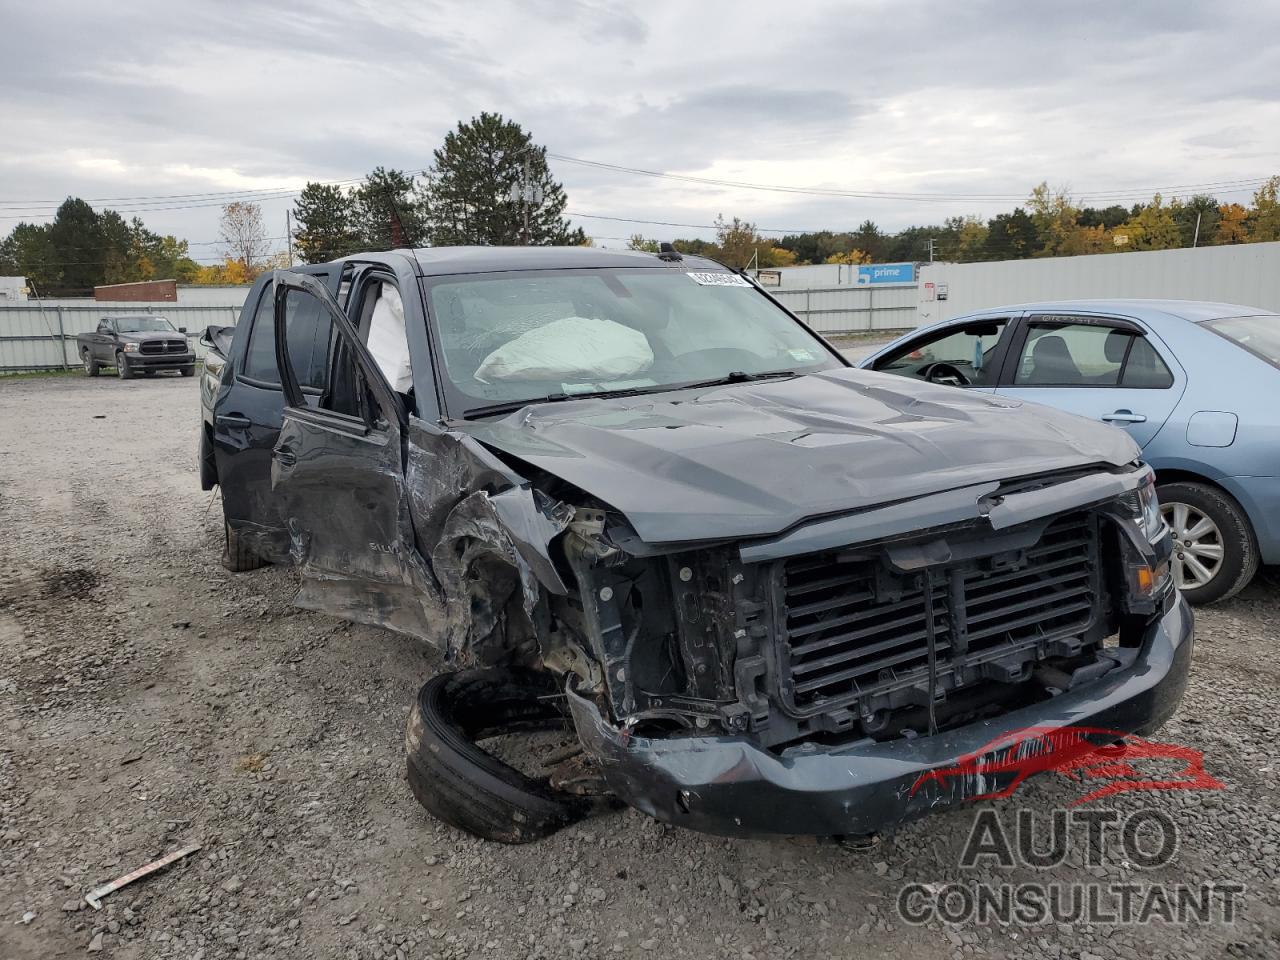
[1214, 551]
[1197, 546]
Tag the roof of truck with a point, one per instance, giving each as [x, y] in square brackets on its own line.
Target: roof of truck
[439, 261]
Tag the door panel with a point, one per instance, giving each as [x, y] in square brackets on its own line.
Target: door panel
[248, 411]
[338, 476]
[1107, 369]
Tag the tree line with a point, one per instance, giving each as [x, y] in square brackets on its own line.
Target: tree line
[1050, 224]
[489, 184]
[82, 248]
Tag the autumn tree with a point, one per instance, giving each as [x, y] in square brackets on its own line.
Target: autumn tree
[1152, 227]
[1054, 216]
[244, 237]
[737, 242]
[1264, 219]
[490, 184]
[852, 257]
[638, 241]
[1232, 224]
[326, 227]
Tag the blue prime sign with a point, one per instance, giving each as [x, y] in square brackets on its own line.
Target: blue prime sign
[887, 273]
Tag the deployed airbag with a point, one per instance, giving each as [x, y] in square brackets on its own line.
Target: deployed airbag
[572, 349]
[388, 342]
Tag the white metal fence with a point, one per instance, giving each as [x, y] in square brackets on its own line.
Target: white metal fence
[1247, 273]
[35, 336]
[853, 309]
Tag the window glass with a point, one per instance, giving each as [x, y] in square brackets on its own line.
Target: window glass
[307, 325]
[515, 337]
[260, 359]
[970, 350]
[1259, 335]
[1144, 368]
[1078, 354]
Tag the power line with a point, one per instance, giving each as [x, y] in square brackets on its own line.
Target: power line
[1224, 186]
[246, 192]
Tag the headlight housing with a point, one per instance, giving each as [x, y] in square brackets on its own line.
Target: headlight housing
[1149, 519]
[1149, 575]
[130, 348]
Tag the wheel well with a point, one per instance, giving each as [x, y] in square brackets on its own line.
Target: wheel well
[208, 465]
[1190, 476]
[1187, 476]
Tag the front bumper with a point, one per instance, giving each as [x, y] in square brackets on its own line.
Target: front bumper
[729, 786]
[160, 361]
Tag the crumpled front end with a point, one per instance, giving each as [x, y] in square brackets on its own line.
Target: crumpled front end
[802, 684]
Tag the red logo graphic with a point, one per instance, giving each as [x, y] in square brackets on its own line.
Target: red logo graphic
[1079, 753]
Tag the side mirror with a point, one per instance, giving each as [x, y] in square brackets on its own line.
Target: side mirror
[182, 329]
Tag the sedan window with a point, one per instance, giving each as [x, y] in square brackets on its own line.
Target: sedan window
[1089, 355]
[1259, 335]
[969, 350]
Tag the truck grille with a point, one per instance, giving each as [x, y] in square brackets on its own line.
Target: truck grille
[852, 628]
[152, 347]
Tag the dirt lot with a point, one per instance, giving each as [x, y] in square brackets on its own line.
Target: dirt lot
[149, 698]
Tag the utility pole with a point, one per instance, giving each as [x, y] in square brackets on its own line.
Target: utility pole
[527, 195]
[1196, 239]
[931, 243]
[288, 234]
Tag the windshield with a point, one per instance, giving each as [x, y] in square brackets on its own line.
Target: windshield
[509, 337]
[143, 325]
[1259, 335]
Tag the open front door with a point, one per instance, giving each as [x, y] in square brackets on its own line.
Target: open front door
[338, 474]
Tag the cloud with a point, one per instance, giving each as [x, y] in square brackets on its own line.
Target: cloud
[148, 98]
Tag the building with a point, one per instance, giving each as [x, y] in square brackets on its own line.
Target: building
[13, 289]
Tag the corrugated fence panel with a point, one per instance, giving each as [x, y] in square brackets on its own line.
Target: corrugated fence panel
[1247, 274]
[853, 309]
[43, 337]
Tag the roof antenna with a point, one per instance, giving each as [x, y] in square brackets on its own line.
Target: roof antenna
[668, 252]
[398, 228]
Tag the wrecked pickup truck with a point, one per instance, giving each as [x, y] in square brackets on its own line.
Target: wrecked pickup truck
[770, 592]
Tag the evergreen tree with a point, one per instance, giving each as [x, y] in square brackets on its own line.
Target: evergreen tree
[387, 213]
[28, 252]
[490, 184]
[325, 228]
[79, 248]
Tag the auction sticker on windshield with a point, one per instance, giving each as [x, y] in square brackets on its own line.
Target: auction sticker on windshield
[718, 279]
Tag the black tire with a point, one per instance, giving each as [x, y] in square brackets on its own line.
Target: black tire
[123, 370]
[1239, 561]
[189, 371]
[208, 464]
[90, 364]
[459, 783]
[236, 555]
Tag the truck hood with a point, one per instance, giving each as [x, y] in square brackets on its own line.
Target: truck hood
[754, 459]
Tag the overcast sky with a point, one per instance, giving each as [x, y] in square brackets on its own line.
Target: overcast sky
[148, 99]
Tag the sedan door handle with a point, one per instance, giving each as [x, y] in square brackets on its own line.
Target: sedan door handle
[233, 420]
[1124, 416]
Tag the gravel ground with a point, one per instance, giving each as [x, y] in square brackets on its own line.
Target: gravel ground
[150, 699]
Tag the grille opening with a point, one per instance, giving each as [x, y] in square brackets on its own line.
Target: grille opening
[853, 633]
